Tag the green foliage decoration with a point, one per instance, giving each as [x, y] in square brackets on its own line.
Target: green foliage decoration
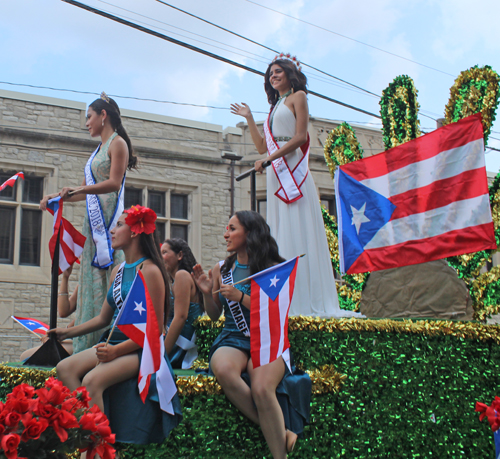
[399, 110]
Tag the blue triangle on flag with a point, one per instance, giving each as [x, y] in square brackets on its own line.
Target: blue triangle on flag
[134, 309]
[272, 280]
[364, 212]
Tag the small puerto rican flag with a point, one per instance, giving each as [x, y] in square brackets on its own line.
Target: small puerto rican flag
[272, 291]
[11, 181]
[33, 325]
[71, 241]
[137, 319]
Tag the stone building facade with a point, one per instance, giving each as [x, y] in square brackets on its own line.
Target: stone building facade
[182, 175]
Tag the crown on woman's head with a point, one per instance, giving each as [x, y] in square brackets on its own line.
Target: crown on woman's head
[288, 57]
[104, 97]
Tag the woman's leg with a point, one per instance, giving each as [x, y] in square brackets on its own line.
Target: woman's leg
[227, 364]
[72, 369]
[265, 379]
[106, 374]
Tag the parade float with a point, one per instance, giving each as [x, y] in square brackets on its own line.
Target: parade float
[402, 388]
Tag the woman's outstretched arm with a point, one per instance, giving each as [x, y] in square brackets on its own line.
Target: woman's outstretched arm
[244, 111]
[207, 285]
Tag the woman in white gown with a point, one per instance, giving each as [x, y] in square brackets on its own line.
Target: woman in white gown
[293, 209]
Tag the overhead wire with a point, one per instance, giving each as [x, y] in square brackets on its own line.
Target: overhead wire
[199, 50]
[349, 38]
[264, 46]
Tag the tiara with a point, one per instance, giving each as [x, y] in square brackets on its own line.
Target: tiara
[288, 57]
[104, 97]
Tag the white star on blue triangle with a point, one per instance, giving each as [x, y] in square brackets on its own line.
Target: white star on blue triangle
[371, 212]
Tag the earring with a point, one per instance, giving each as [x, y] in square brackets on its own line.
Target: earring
[102, 123]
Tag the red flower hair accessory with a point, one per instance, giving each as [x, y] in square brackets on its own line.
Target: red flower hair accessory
[141, 219]
[288, 57]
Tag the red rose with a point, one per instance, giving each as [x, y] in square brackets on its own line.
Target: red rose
[12, 419]
[87, 422]
[22, 391]
[45, 410]
[9, 445]
[34, 428]
[83, 396]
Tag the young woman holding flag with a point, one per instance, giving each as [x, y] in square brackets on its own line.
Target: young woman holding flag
[252, 249]
[116, 358]
[103, 189]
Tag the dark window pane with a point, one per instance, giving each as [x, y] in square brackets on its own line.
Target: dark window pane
[7, 228]
[262, 207]
[9, 193]
[32, 189]
[156, 201]
[133, 197]
[179, 206]
[31, 229]
[180, 231]
[160, 227]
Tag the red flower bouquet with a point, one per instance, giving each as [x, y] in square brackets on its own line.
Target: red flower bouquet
[52, 421]
[141, 219]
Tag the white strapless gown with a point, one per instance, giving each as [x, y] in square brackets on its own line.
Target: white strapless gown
[298, 228]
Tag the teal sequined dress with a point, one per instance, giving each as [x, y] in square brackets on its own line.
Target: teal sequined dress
[131, 420]
[294, 390]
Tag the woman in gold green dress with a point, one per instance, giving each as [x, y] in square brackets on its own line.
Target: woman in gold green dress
[103, 189]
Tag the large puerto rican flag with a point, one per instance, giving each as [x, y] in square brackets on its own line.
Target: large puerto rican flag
[137, 319]
[271, 295]
[71, 241]
[421, 201]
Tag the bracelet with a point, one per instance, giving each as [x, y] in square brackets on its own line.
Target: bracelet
[242, 296]
[63, 294]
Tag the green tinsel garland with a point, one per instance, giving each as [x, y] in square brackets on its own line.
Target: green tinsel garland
[341, 147]
[475, 90]
[399, 109]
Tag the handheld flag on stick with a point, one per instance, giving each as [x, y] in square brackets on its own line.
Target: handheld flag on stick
[11, 181]
[424, 200]
[137, 319]
[272, 291]
[33, 325]
[71, 241]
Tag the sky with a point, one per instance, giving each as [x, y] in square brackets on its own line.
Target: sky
[367, 43]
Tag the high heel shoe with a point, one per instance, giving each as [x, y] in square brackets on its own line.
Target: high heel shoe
[291, 438]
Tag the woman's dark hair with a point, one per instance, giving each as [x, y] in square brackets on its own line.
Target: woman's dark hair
[150, 246]
[262, 249]
[187, 261]
[298, 80]
[115, 119]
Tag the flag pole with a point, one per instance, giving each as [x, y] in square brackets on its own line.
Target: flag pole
[51, 352]
[246, 278]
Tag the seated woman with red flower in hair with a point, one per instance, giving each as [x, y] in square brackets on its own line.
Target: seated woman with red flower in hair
[116, 358]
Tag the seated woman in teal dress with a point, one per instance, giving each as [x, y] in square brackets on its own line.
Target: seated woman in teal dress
[117, 360]
[275, 399]
[187, 301]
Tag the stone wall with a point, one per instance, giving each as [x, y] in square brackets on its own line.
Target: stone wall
[47, 137]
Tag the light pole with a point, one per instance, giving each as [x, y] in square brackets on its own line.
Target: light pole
[233, 157]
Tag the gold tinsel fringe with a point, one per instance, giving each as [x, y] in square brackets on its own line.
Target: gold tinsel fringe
[469, 330]
[35, 377]
[326, 380]
[479, 291]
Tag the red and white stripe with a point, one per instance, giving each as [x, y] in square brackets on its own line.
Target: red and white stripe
[71, 241]
[269, 323]
[11, 181]
[439, 185]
